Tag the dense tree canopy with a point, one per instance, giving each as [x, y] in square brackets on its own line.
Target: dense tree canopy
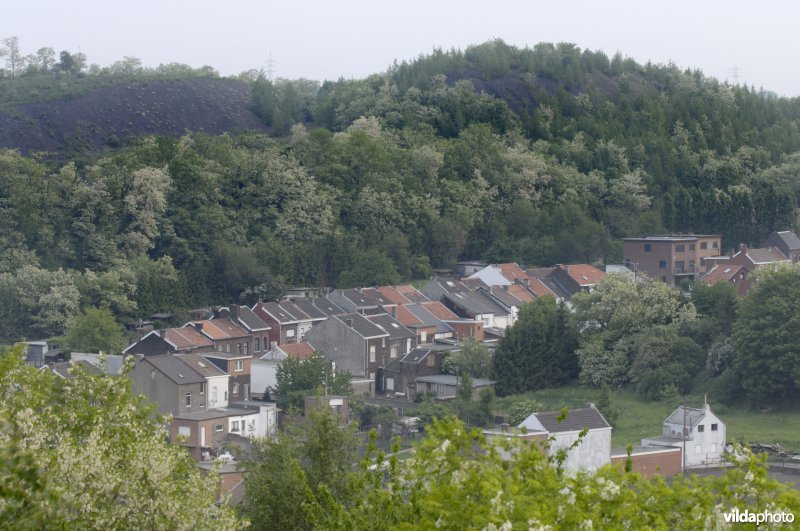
[85, 453]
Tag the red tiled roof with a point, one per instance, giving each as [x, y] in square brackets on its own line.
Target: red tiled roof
[538, 287]
[439, 310]
[521, 292]
[301, 351]
[218, 329]
[512, 271]
[411, 293]
[405, 317]
[393, 295]
[722, 272]
[186, 337]
[584, 274]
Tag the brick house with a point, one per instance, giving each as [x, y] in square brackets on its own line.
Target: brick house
[170, 341]
[671, 258]
[288, 323]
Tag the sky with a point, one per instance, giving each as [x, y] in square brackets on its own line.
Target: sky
[746, 42]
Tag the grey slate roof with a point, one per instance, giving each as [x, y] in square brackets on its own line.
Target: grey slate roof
[363, 326]
[200, 365]
[279, 312]
[361, 299]
[391, 326]
[175, 369]
[327, 307]
[250, 320]
[790, 239]
[477, 302]
[428, 319]
[309, 309]
[576, 420]
[693, 416]
[62, 368]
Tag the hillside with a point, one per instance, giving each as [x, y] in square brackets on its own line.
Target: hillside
[108, 116]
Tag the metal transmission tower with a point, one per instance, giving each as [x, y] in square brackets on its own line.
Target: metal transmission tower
[270, 66]
[735, 71]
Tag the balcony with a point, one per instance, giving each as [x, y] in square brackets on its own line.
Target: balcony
[687, 270]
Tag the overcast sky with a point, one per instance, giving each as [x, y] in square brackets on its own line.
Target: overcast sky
[329, 39]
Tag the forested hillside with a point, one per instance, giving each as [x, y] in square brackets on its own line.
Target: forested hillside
[540, 156]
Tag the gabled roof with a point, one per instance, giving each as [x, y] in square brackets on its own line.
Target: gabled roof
[185, 338]
[411, 293]
[201, 365]
[789, 239]
[361, 299]
[307, 305]
[512, 271]
[219, 329]
[175, 369]
[576, 420]
[302, 350]
[362, 326]
[428, 318]
[64, 369]
[377, 294]
[584, 274]
[391, 326]
[765, 256]
[474, 303]
[722, 272]
[280, 312]
[249, 320]
[504, 296]
[407, 317]
[439, 310]
[393, 295]
[693, 416]
[540, 272]
[522, 291]
[327, 307]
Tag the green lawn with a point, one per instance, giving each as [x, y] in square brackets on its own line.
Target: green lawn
[640, 419]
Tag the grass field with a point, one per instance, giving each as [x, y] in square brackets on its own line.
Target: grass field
[640, 419]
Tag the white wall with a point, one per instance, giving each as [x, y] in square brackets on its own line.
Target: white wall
[706, 447]
[263, 374]
[220, 383]
[591, 453]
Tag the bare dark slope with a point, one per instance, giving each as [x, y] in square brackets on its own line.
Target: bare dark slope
[110, 115]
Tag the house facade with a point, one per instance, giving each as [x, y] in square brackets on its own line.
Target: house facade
[172, 385]
[671, 258]
[698, 430]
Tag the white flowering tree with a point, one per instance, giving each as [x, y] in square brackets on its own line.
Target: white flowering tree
[84, 453]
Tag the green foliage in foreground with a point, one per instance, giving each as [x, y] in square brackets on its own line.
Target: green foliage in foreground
[83, 453]
[457, 480]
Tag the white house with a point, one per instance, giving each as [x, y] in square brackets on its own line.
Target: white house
[699, 430]
[593, 451]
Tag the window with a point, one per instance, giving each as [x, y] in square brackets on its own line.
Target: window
[372, 353]
[393, 351]
[235, 426]
[239, 367]
[714, 427]
[257, 345]
[701, 428]
[678, 264]
[691, 247]
[648, 247]
[691, 264]
[290, 333]
[702, 262]
[219, 427]
[246, 348]
[238, 348]
[698, 449]
[153, 375]
[662, 264]
[202, 388]
[383, 342]
[703, 245]
[408, 346]
[228, 347]
[390, 384]
[188, 399]
[185, 431]
[679, 248]
[424, 336]
[715, 245]
[235, 391]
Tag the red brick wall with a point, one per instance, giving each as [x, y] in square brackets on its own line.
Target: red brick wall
[663, 463]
